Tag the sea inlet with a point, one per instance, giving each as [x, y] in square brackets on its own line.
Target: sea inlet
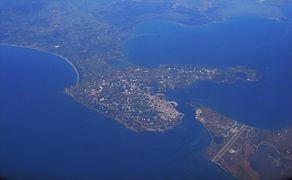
[45, 134]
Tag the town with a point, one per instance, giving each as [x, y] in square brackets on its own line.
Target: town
[134, 96]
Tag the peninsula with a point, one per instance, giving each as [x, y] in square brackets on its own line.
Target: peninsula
[134, 96]
[244, 151]
[90, 34]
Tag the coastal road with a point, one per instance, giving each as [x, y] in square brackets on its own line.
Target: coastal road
[227, 146]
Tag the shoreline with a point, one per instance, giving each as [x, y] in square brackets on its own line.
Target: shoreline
[52, 53]
[120, 122]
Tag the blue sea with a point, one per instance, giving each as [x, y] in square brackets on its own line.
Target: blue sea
[262, 44]
[45, 134]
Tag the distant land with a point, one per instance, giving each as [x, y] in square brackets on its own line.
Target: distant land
[90, 33]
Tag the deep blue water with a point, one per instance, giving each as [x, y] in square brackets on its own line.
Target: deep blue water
[45, 134]
[262, 44]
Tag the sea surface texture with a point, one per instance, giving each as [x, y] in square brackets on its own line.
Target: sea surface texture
[45, 134]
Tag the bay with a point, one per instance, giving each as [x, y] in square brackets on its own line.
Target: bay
[258, 43]
[45, 134]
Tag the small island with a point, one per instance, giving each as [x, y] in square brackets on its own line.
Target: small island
[244, 151]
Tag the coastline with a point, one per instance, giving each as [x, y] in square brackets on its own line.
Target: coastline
[55, 54]
[150, 130]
